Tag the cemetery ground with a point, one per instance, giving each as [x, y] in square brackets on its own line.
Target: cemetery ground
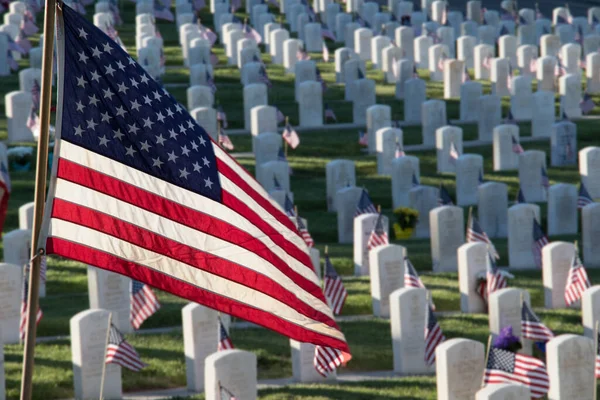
[369, 338]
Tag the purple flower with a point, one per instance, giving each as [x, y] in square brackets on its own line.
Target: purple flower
[506, 340]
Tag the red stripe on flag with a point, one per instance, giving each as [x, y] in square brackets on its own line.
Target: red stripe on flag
[185, 254]
[197, 294]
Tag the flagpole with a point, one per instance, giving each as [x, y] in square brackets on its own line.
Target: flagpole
[40, 194]
[101, 397]
[595, 357]
[487, 355]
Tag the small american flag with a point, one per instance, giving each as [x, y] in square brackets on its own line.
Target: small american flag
[280, 116]
[365, 205]
[587, 104]
[143, 303]
[415, 181]
[224, 141]
[251, 33]
[453, 154]
[222, 117]
[564, 116]
[444, 198]
[577, 280]
[276, 183]
[224, 340]
[415, 72]
[325, 53]
[379, 236]
[395, 68]
[363, 139]
[411, 278]
[304, 232]
[584, 198]
[225, 394]
[327, 360]
[533, 65]
[120, 352]
[495, 280]
[487, 62]
[289, 207]
[510, 119]
[326, 33]
[302, 55]
[329, 114]
[334, 289]
[433, 336]
[559, 69]
[33, 121]
[520, 197]
[476, 234]
[24, 293]
[466, 77]
[22, 41]
[440, 65]
[539, 241]
[516, 146]
[290, 136]
[480, 180]
[264, 77]
[507, 367]
[399, 151]
[531, 326]
[210, 82]
[162, 12]
[545, 180]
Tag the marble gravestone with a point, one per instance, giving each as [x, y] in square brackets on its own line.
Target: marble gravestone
[303, 369]
[490, 115]
[469, 172]
[563, 144]
[543, 113]
[492, 208]
[18, 106]
[385, 145]
[266, 147]
[505, 310]
[110, 291]
[233, 370]
[570, 361]
[363, 226]
[346, 201]
[505, 159]
[17, 251]
[433, 116]
[414, 89]
[445, 137]
[590, 228]
[200, 339]
[571, 96]
[423, 199]
[11, 287]
[310, 100]
[556, 262]
[88, 347]
[447, 235]
[267, 172]
[364, 97]
[459, 368]
[590, 310]
[470, 93]
[255, 94]
[403, 171]
[377, 116]
[562, 209]
[472, 261]
[338, 175]
[531, 164]
[408, 315]
[520, 234]
[503, 391]
[589, 169]
[386, 266]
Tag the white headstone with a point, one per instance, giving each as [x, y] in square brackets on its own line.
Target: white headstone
[469, 173]
[414, 89]
[472, 261]
[590, 228]
[490, 114]
[546, 67]
[11, 287]
[267, 173]
[556, 262]
[362, 43]
[110, 291]
[346, 200]
[290, 54]
[403, 171]
[571, 361]
[206, 117]
[234, 370]
[266, 147]
[459, 368]
[386, 275]
[88, 347]
[453, 75]
[503, 391]
[303, 369]
[592, 73]
[520, 234]
[199, 96]
[338, 175]
[505, 307]
[505, 159]
[310, 99]
[254, 95]
[590, 310]
[570, 92]
[433, 115]
[305, 71]
[531, 164]
[483, 52]
[447, 235]
[470, 94]
[200, 339]
[444, 138]
[525, 55]
[562, 209]
[423, 199]
[437, 52]
[543, 113]
[26, 216]
[363, 226]
[18, 106]
[386, 141]
[466, 50]
[364, 97]
[492, 208]
[422, 45]
[521, 98]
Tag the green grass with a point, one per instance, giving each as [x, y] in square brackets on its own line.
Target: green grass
[370, 340]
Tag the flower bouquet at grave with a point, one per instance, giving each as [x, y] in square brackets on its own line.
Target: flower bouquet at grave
[20, 158]
[507, 341]
[481, 286]
[406, 220]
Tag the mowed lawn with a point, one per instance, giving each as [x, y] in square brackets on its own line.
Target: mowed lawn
[370, 341]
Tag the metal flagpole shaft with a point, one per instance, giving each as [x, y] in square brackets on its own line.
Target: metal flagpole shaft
[40, 194]
[101, 397]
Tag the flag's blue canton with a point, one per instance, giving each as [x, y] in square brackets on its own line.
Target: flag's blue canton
[112, 107]
[136, 286]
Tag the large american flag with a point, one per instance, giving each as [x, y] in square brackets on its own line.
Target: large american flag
[433, 336]
[584, 198]
[335, 292]
[143, 303]
[577, 280]
[5, 189]
[379, 235]
[476, 234]
[507, 367]
[225, 342]
[365, 205]
[138, 188]
[531, 326]
[23, 321]
[120, 352]
[539, 241]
